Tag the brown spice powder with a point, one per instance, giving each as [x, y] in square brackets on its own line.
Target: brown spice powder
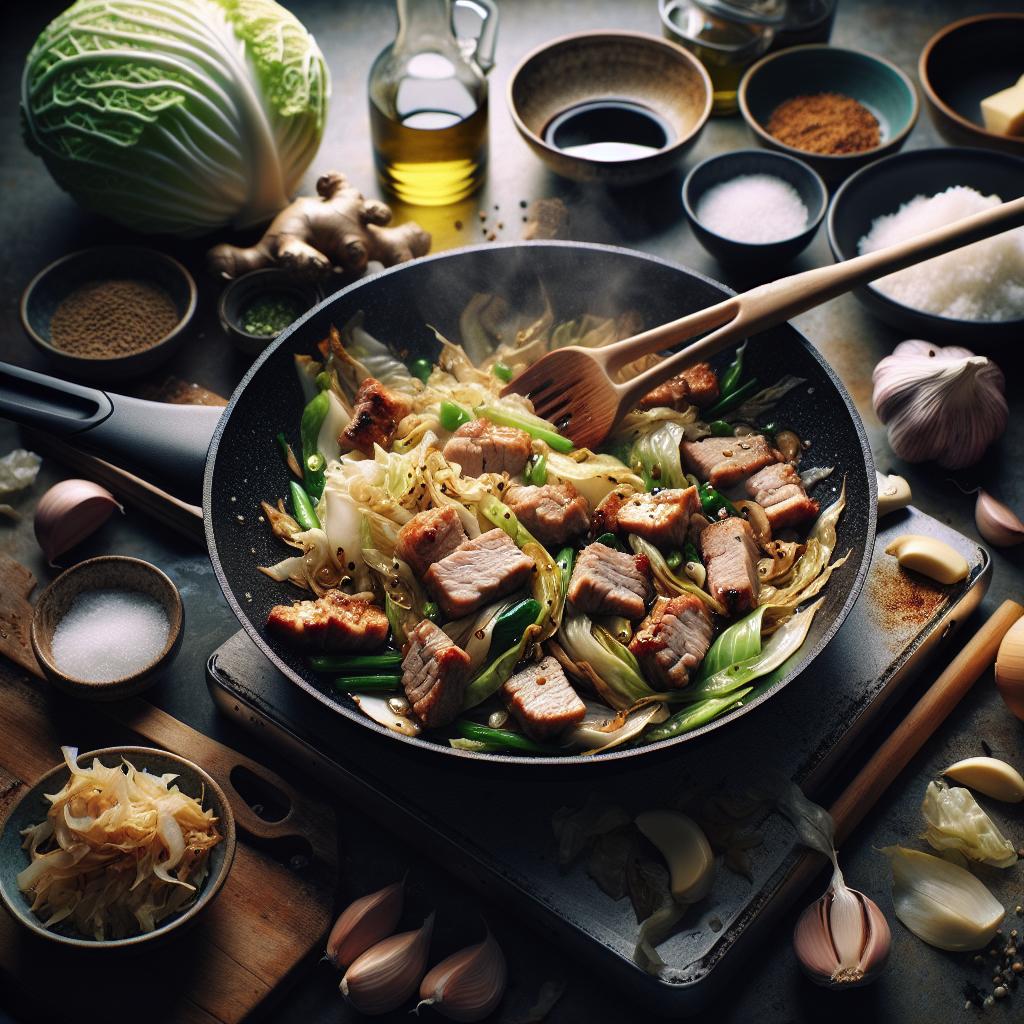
[828, 123]
[110, 318]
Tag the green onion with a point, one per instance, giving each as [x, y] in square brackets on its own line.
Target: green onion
[453, 415]
[719, 428]
[723, 405]
[421, 368]
[511, 625]
[674, 559]
[354, 664]
[538, 473]
[431, 611]
[695, 716]
[506, 419]
[368, 684]
[691, 554]
[731, 377]
[712, 502]
[565, 560]
[313, 417]
[609, 540]
[302, 508]
[502, 371]
[283, 447]
[500, 739]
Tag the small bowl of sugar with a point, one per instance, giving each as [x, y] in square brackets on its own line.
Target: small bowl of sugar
[754, 208]
[107, 627]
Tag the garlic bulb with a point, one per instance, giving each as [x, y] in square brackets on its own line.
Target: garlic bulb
[364, 922]
[996, 522]
[69, 512]
[941, 404]
[469, 984]
[1010, 669]
[686, 850]
[990, 776]
[942, 904]
[930, 557]
[957, 822]
[387, 974]
[842, 939]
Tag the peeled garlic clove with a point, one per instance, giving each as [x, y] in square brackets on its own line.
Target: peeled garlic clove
[1010, 669]
[69, 512]
[468, 985]
[930, 557]
[996, 522]
[387, 974]
[364, 922]
[990, 776]
[381, 710]
[686, 850]
[893, 493]
[942, 904]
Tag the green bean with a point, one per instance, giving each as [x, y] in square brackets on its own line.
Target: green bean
[500, 739]
[506, 419]
[283, 446]
[674, 559]
[719, 428]
[368, 684]
[565, 561]
[313, 462]
[421, 368]
[769, 430]
[695, 715]
[511, 625]
[539, 473]
[731, 377]
[354, 664]
[609, 540]
[431, 611]
[302, 508]
[453, 415]
[723, 405]
[691, 554]
[502, 371]
[712, 502]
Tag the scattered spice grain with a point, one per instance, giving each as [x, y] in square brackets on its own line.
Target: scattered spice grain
[458, 225]
[828, 123]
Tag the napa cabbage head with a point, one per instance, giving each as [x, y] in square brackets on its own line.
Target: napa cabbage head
[176, 116]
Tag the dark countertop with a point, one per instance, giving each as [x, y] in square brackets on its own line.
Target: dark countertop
[42, 223]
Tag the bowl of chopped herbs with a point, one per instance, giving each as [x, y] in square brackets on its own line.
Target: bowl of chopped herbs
[256, 307]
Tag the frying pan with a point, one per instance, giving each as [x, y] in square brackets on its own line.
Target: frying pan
[242, 465]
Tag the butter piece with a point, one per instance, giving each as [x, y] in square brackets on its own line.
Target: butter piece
[1004, 111]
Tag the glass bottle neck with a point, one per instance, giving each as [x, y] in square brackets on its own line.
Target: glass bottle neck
[423, 22]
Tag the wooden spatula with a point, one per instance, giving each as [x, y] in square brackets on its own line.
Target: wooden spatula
[573, 387]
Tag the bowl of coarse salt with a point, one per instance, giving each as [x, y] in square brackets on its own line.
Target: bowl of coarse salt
[753, 208]
[107, 627]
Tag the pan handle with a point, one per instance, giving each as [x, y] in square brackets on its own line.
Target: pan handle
[164, 443]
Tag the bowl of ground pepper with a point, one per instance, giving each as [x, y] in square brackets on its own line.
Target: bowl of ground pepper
[109, 313]
[836, 109]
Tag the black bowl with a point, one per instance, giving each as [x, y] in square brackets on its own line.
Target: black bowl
[239, 293]
[882, 188]
[750, 255]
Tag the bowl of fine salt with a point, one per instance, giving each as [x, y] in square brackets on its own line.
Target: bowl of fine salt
[107, 627]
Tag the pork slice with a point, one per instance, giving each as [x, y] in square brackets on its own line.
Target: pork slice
[376, 413]
[609, 582]
[730, 557]
[435, 673]
[484, 447]
[779, 490]
[697, 385]
[428, 537]
[662, 518]
[605, 518]
[554, 513]
[672, 641]
[542, 699]
[477, 572]
[725, 461]
[334, 622]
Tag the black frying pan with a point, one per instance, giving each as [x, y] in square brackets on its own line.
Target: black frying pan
[242, 465]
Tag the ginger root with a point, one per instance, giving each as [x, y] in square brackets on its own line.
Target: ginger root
[337, 230]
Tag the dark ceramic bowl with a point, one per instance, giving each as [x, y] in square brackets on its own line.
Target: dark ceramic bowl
[653, 73]
[31, 809]
[962, 64]
[240, 293]
[108, 572]
[882, 188]
[55, 282]
[804, 70]
[750, 255]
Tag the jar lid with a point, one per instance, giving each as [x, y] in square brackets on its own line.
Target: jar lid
[758, 12]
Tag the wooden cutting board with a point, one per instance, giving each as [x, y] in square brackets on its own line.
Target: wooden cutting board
[270, 917]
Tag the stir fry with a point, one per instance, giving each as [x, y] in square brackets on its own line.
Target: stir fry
[472, 574]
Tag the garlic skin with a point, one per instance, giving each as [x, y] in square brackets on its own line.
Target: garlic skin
[941, 404]
[469, 984]
[956, 821]
[930, 557]
[69, 512]
[387, 974]
[997, 523]
[990, 776]
[843, 939]
[893, 493]
[363, 924]
[1010, 669]
[686, 850]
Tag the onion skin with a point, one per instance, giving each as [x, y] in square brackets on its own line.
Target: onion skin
[69, 512]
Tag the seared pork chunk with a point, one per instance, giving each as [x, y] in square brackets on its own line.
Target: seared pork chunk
[661, 518]
[671, 642]
[609, 582]
[697, 385]
[730, 557]
[483, 447]
[554, 513]
[334, 622]
[434, 675]
[476, 572]
[428, 537]
[725, 461]
[377, 411]
[542, 700]
[605, 518]
[780, 491]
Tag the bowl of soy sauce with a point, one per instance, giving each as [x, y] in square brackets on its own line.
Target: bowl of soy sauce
[619, 108]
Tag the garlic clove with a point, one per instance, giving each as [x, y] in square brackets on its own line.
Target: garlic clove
[69, 512]
[996, 522]
[893, 493]
[686, 850]
[1010, 669]
[930, 557]
[469, 984]
[381, 710]
[363, 924]
[387, 974]
[990, 776]
[942, 904]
